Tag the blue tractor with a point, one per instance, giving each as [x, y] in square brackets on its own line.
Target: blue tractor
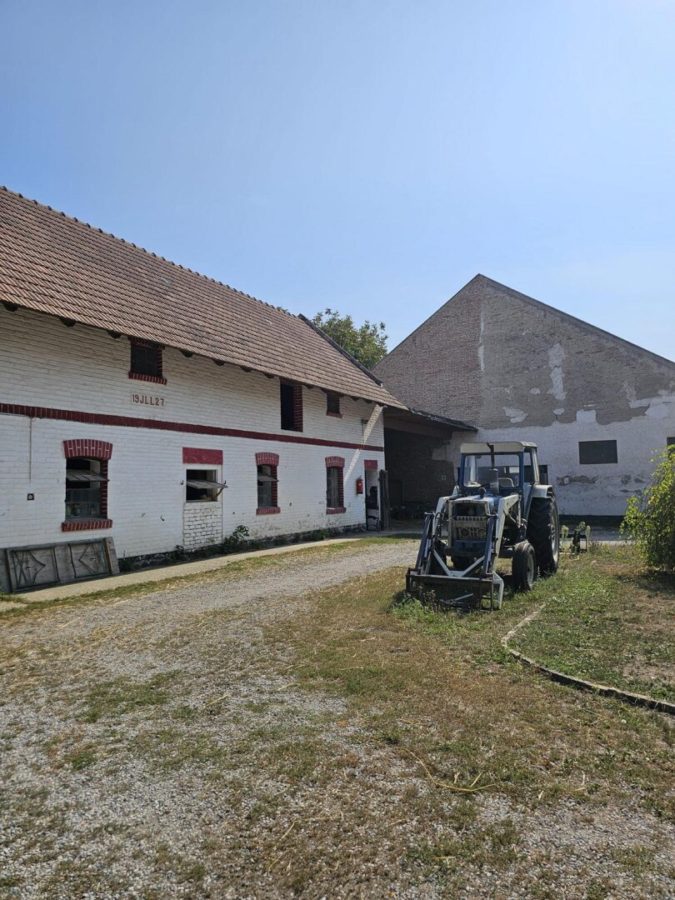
[499, 508]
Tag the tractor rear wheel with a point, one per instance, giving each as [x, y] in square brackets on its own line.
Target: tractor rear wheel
[524, 566]
[543, 532]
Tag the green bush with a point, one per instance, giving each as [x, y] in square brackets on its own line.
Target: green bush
[650, 517]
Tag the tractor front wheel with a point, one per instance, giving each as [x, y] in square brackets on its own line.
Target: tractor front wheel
[543, 532]
[524, 566]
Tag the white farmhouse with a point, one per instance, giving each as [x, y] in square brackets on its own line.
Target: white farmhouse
[145, 403]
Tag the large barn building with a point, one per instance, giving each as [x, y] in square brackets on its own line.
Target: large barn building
[144, 407]
[597, 406]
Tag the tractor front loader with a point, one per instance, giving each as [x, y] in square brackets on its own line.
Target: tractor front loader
[498, 509]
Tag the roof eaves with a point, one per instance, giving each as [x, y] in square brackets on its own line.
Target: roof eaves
[246, 365]
[455, 423]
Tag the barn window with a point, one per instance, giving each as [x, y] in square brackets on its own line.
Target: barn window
[202, 485]
[86, 488]
[670, 442]
[291, 406]
[86, 484]
[597, 452]
[146, 361]
[335, 498]
[332, 404]
[268, 481]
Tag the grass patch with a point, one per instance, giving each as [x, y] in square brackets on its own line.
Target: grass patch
[167, 750]
[608, 620]
[439, 691]
[123, 696]
[81, 758]
[496, 846]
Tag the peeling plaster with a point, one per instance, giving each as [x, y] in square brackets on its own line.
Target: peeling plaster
[655, 407]
[515, 415]
[587, 415]
[559, 411]
[556, 355]
[535, 390]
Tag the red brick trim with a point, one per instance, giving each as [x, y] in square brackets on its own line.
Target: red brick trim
[334, 415]
[333, 510]
[267, 510]
[335, 461]
[267, 459]
[192, 455]
[370, 464]
[87, 447]
[85, 524]
[154, 378]
[71, 415]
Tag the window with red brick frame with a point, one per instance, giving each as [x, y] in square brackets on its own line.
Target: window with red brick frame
[86, 485]
[290, 400]
[335, 492]
[268, 482]
[146, 361]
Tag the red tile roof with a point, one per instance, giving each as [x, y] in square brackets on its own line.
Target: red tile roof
[55, 264]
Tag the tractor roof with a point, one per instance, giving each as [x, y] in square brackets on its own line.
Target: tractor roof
[497, 447]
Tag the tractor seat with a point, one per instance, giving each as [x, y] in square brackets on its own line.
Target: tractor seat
[506, 483]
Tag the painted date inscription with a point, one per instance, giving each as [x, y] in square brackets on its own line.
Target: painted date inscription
[147, 399]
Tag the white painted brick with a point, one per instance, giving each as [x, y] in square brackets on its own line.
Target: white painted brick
[44, 364]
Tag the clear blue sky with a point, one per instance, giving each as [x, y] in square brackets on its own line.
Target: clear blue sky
[370, 156]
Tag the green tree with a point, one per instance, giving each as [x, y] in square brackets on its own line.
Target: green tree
[367, 343]
[650, 517]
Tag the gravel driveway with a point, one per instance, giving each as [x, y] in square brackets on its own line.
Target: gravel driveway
[159, 746]
[129, 732]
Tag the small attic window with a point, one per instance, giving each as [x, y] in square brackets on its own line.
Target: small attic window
[332, 404]
[291, 406]
[146, 361]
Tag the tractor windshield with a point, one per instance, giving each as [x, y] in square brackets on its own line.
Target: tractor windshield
[503, 477]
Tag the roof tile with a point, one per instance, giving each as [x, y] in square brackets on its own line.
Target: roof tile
[51, 263]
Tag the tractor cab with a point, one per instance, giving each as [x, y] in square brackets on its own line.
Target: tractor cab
[499, 469]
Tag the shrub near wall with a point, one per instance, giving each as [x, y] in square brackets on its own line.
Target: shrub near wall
[650, 518]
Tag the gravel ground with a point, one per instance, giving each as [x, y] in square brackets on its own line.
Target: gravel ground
[157, 746]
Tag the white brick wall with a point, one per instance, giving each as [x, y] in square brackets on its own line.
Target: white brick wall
[43, 363]
[202, 524]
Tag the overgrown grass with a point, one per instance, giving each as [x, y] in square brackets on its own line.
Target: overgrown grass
[609, 620]
[440, 690]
